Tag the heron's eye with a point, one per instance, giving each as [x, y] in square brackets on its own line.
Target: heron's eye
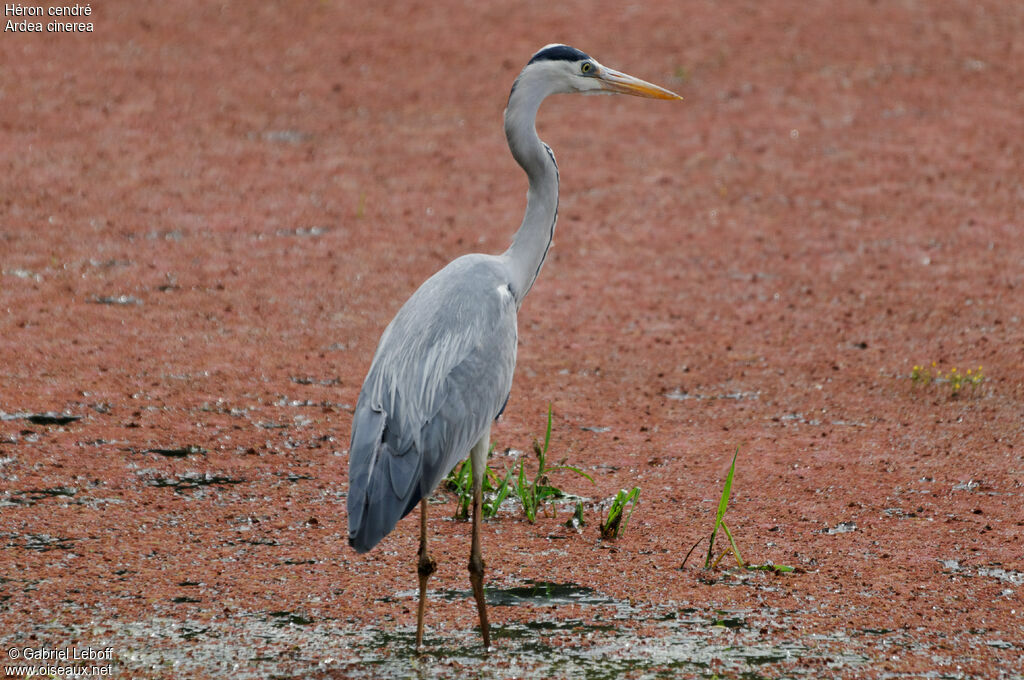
[587, 67]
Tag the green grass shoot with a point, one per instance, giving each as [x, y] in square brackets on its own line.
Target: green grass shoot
[617, 519]
[723, 505]
[490, 507]
[710, 560]
[460, 481]
[535, 494]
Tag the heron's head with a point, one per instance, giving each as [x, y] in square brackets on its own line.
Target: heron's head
[562, 69]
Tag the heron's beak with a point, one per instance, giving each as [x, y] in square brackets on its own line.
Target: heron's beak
[613, 81]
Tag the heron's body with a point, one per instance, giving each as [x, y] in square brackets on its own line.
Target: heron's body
[432, 391]
[443, 368]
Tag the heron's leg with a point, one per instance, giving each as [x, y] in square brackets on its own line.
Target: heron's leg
[425, 568]
[476, 561]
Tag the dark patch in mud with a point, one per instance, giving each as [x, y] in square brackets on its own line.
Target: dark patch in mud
[30, 496]
[40, 542]
[189, 481]
[178, 452]
[281, 619]
[48, 418]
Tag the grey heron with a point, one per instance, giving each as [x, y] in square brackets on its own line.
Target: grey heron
[443, 367]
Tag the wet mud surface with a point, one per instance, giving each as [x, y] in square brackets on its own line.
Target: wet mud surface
[210, 212]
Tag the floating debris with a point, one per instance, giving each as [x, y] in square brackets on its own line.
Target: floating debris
[900, 513]
[34, 495]
[43, 542]
[999, 644]
[282, 619]
[294, 476]
[23, 274]
[122, 300]
[193, 480]
[48, 418]
[180, 452]
[1014, 577]
[189, 633]
[51, 419]
[305, 380]
[303, 231]
[679, 395]
[294, 562]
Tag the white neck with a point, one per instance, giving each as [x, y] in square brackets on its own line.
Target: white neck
[531, 242]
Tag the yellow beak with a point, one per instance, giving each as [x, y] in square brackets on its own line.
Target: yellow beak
[622, 83]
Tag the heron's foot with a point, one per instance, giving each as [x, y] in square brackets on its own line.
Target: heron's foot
[476, 578]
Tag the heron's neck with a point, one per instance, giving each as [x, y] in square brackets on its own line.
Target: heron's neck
[530, 244]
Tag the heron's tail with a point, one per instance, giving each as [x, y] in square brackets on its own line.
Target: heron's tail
[382, 482]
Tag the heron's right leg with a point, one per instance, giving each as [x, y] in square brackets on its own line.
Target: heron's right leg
[425, 568]
[476, 561]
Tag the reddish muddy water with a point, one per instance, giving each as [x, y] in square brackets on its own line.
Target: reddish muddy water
[210, 211]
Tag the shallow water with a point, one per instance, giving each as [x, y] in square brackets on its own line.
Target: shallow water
[611, 639]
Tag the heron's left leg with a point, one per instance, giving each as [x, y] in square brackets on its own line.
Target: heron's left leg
[425, 568]
[476, 562]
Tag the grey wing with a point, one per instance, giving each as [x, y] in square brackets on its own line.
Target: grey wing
[441, 374]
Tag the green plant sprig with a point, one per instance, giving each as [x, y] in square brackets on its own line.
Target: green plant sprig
[710, 561]
[617, 519]
[723, 505]
[460, 481]
[535, 494]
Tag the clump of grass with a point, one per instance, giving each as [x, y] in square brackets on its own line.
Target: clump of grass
[490, 507]
[536, 493]
[710, 561]
[957, 380]
[460, 481]
[617, 519]
[577, 521]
